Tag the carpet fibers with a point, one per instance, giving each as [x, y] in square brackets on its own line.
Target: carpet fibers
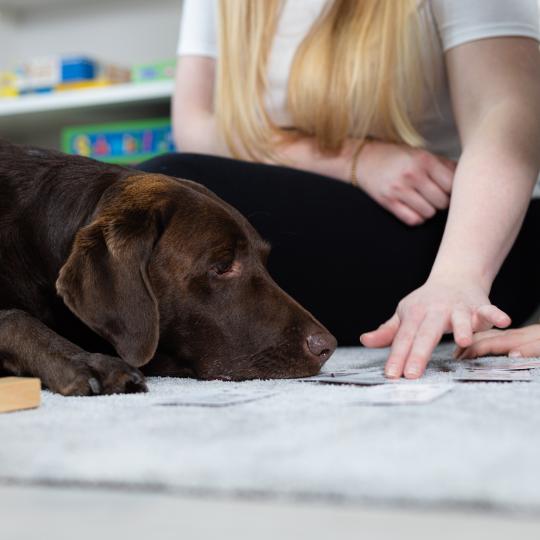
[477, 446]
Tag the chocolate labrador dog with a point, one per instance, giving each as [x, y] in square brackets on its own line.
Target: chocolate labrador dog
[105, 270]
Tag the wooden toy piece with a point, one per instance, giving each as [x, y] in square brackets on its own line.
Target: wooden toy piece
[18, 393]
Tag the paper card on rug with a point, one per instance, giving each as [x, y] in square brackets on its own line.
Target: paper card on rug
[506, 365]
[219, 397]
[403, 394]
[491, 375]
[364, 377]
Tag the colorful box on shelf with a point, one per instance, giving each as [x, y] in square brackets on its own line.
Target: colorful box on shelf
[157, 71]
[51, 73]
[78, 69]
[8, 85]
[122, 143]
[43, 74]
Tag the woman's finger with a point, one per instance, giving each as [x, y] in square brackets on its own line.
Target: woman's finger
[528, 350]
[441, 171]
[461, 320]
[433, 194]
[419, 204]
[404, 213]
[501, 341]
[458, 351]
[493, 315]
[450, 163]
[382, 336]
[402, 344]
[428, 336]
[499, 344]
[487, 333]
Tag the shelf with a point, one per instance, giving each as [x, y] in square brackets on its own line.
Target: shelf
[27, 5]
[76, 99]
[39, 119]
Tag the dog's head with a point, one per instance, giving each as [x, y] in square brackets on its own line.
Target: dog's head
[168, 270]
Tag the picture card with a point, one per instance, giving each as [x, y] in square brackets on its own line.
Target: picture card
[363, 377]
[506, 365]
[222, 397]
[403, 394]
[491, 375]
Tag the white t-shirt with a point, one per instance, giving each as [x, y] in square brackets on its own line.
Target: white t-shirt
[445, 24]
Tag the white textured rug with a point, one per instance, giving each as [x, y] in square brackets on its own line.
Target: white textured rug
[478, 446]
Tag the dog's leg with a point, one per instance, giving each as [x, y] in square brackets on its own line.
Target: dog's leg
[28, 347]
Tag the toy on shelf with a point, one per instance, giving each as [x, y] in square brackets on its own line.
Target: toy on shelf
[157, 71]
[60, 73]
[122, 143]
[53, 73]
[8, 85]
[104, 75]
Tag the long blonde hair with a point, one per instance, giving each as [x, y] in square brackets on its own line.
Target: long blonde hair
[357, 72]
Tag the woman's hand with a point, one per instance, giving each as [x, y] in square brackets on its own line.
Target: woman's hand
[410, 183]
[519, 342]
[440, 306]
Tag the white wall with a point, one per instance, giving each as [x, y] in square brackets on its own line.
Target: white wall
[121, 31]
[124, 32]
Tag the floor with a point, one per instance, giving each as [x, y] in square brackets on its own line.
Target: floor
[475, 447]
[463, 466]
[35, 513]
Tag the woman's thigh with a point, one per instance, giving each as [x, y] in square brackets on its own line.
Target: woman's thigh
[335, 250]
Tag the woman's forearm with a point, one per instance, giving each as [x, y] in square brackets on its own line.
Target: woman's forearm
[199, 133]
[304, 154]
[492, 188]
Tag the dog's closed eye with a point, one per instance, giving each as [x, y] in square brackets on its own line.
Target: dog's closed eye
[230, 268]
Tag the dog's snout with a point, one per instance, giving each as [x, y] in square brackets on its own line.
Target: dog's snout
[321, 345]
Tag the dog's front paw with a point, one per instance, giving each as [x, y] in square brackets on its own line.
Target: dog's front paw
[114, 376]
[74, 379]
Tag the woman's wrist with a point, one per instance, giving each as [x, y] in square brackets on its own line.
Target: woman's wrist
[456, 274]
[303, 153]
[354, 178]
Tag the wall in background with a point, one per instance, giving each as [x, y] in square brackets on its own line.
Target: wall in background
[121, 31]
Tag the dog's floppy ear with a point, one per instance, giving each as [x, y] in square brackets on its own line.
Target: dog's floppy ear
[105, 280]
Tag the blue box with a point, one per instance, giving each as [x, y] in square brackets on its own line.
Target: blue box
[78, 69]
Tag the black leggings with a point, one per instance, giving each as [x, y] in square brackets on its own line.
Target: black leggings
[339, 253]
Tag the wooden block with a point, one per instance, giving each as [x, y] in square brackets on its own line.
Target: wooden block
[18, 393]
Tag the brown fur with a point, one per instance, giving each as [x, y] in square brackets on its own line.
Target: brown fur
[106, 270]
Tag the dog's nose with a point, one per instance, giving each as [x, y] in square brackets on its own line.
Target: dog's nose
[321, 345]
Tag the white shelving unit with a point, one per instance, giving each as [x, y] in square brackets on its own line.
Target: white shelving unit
[39, 119]
[121, 32]
[130, 93]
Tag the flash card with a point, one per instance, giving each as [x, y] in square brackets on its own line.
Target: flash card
[361, 380]
[346, 372]
[507, 365]
[217, 398]
[491, 375]
[363, 377]
[403, 394]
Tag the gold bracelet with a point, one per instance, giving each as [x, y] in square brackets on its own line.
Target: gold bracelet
[354, 163]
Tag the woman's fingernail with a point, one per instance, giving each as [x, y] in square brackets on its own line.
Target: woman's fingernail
[514, 354]
[392, 371]
[412, 370]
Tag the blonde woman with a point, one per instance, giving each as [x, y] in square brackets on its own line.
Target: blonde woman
[345, 129]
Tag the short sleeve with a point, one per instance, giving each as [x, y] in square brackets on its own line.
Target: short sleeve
[198, 32]
[461, 21]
